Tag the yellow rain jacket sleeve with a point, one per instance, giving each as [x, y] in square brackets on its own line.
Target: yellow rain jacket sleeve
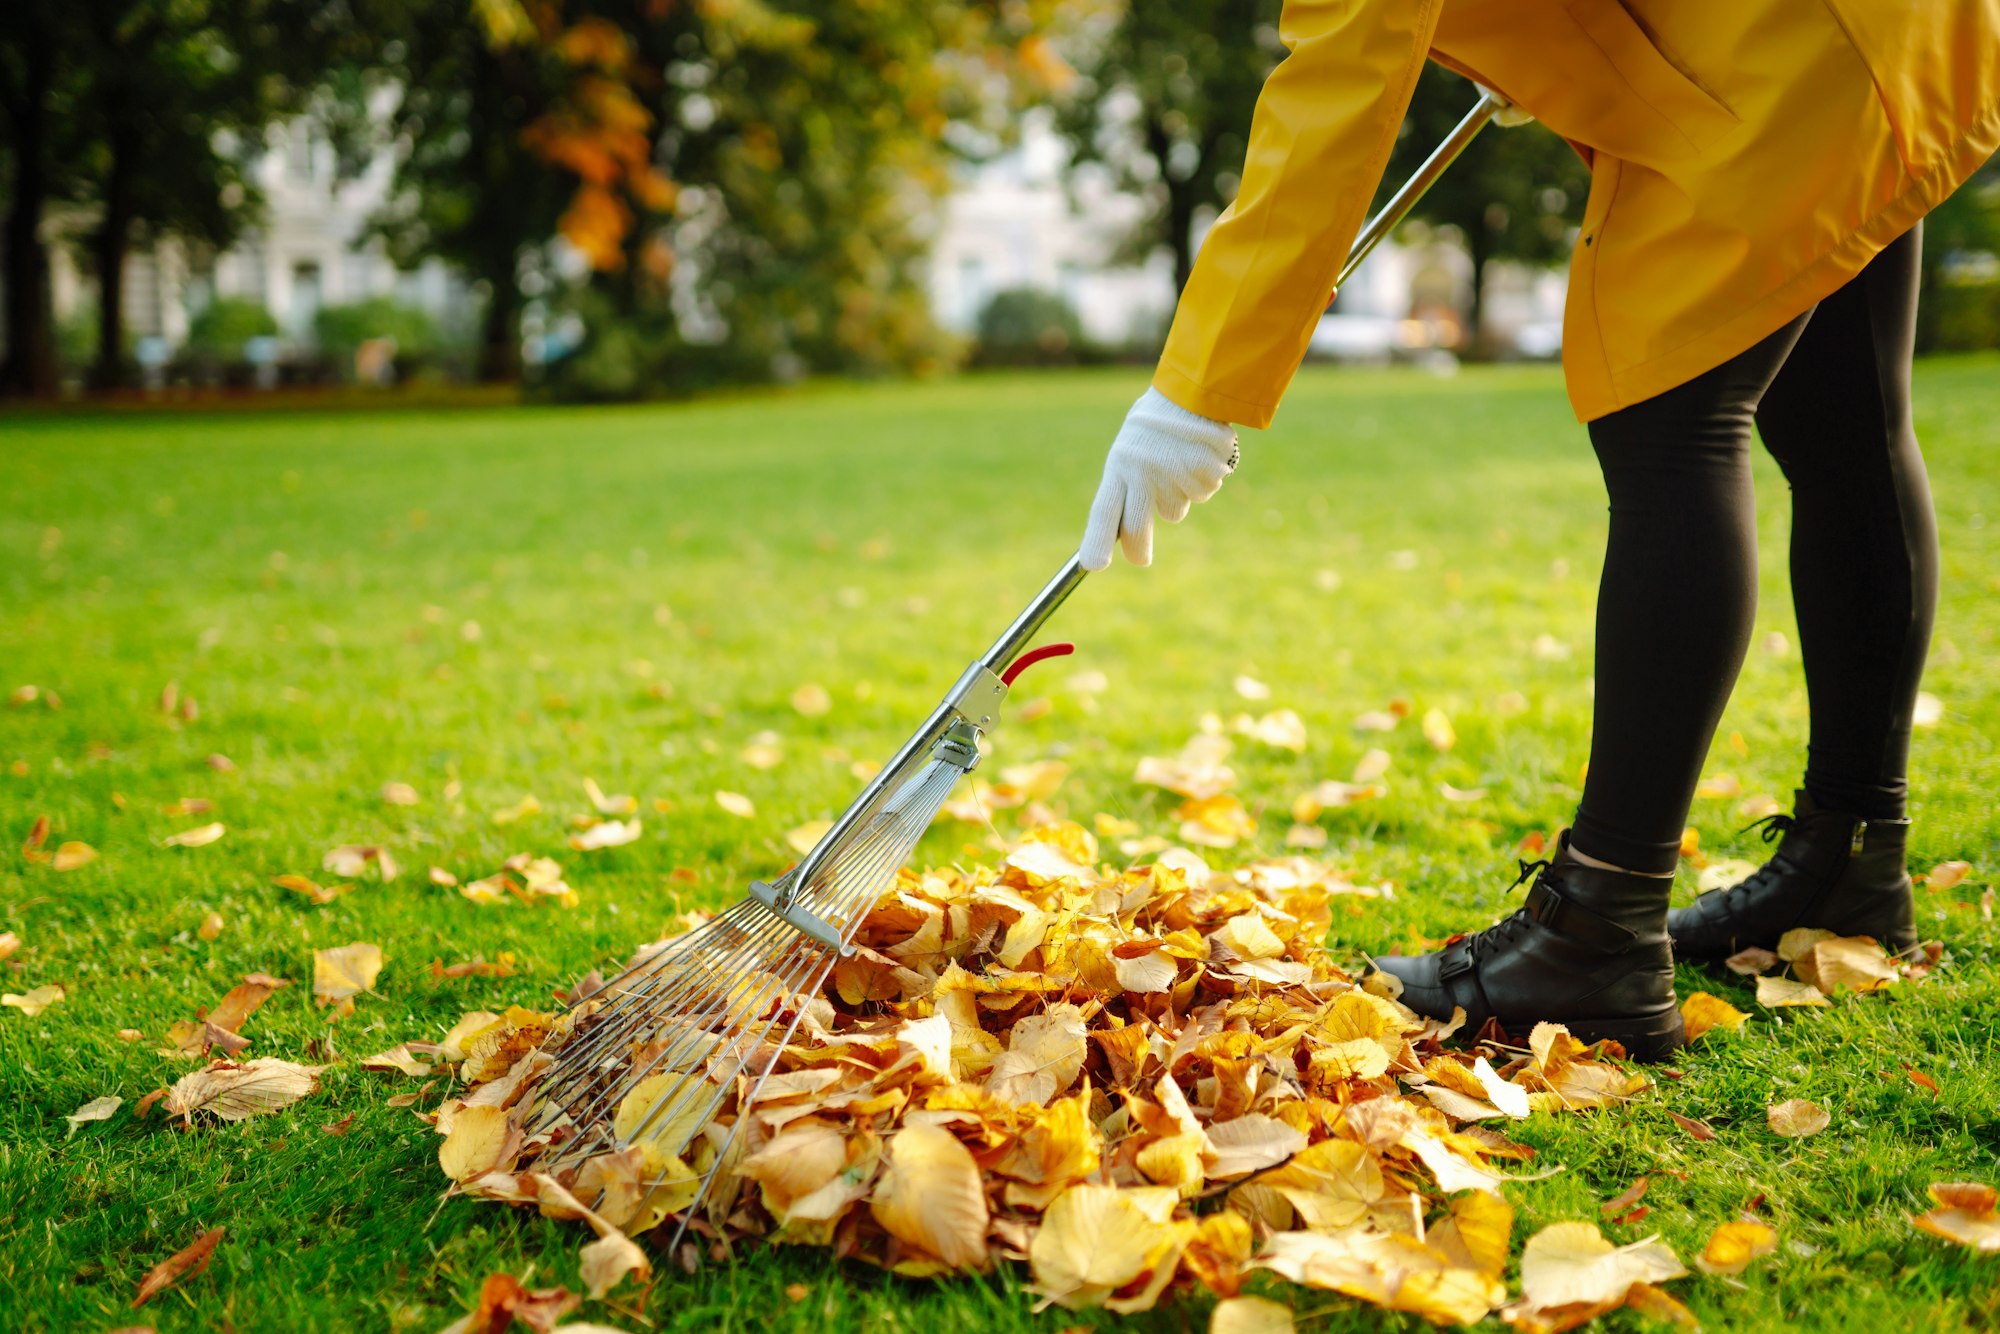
[1319, 142]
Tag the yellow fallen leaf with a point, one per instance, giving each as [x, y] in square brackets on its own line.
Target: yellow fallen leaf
[931, 1196]
[1438, 730]
[1845, 963]
[1043, 1058]
[1797, 1118]
[736, 804]
[1249, 687]
[1947, 875]
[764, 751]
[1778, 991]
[1215, 822]
[812, 699]
[9, 942]
[1248, 937]
[400, 794]
[483, 1138]
[198, 837]
[1567, 1264]
[1250, 1315]
[613, 806]
[211, 926]
[1282, 729]
[352, 860]
[1732, 1246]
[1966, 1214]
[520, 810]
[1800, 939]
[1702, 1011]
[34, 1002]
[342, 973]
[606, 834]
[97, 1109]
[803, 839]
[1095, 1240]
[69, 856]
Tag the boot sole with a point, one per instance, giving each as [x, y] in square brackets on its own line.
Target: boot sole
[1648, 1038]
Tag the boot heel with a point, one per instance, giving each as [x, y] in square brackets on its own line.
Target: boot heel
[1649, 1038]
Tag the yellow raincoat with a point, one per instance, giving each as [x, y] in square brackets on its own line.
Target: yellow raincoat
[1747, 158]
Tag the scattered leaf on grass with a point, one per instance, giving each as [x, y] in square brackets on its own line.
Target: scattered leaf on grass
[606, 834]
[400, 794]
[736, 804]
[72, 855]
[1701, 1012]
[1797, 1118]
[1732, 1246]
[341, 974]
[1438, 730]
[398, 1058]
[1198, 772]
[1571, 1264]
[198, 837]
[232, 1092]
[1215, 822]
[811, 699]
[1929, 711]
[520, 810]
[1701, 1130]
[181, 1264]
[1966, 1214]
[32, 1004]
[503, 1301]
[482, 1138]
[1853, 963]
[1250, 1315]
[1778, 991]
[9, 942]
[1947, 875]
[97, 1109]
[1752, 961]
[211, 926]
[1250, 688]
[320, 894]
[352, 860]
[1631, 1196]
[802, 839]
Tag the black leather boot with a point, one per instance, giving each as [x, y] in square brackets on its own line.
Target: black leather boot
[1833, 871]
[1588, 950]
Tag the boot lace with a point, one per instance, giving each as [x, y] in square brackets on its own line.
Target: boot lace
[1771, 829]
[1504, 930]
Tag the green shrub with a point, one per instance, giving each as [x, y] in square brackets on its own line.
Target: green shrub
[221, 328]
[339, 330]
[1960, 317]
[1024, 326]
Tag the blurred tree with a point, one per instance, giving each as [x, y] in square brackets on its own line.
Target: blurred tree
[1514, 194]
[1024, 326]
[515, 122]
[1164, 99]
[1963, 233]
[176, 96]
[36, 91]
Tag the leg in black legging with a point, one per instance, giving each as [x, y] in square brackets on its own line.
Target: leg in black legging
[1864, 540]
[1676, 601]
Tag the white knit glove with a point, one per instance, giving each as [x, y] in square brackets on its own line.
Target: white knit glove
[1164, 458]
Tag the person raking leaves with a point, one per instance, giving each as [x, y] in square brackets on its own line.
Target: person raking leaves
[1748, 255]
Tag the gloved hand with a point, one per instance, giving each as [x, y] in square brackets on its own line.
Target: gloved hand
[1164, 458]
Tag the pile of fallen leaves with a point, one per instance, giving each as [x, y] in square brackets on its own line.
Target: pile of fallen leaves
[1130, 1080]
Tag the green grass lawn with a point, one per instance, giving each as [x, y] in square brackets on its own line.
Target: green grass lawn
[501, 603]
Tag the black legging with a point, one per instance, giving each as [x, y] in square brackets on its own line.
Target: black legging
[1830, 393]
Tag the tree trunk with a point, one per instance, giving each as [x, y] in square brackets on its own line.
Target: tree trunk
[500, 345]
[1478, 244]
[108, 248]
[30, 367]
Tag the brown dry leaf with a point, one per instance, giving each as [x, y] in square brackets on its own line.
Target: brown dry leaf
[34, 1002]
[931, 1197]
[1773, 992]
[1701, 1012]
[198, 837]
[1617, 1205]
[1797, 1118]
[1701, 1130]
[1852, 963]
[1966, 1214]
[1947, 875]
[1752, 961]
[442, 878]
[345, 972]
[184, 1263]
[503, 1301]
[1732, 1246]
[211, 926]
[736, 804]
[71, 855]
[312, 889]
[232, 1092]
[9, 943]
[400, 794]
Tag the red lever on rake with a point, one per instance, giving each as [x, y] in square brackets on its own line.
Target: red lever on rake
[1033, 656]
